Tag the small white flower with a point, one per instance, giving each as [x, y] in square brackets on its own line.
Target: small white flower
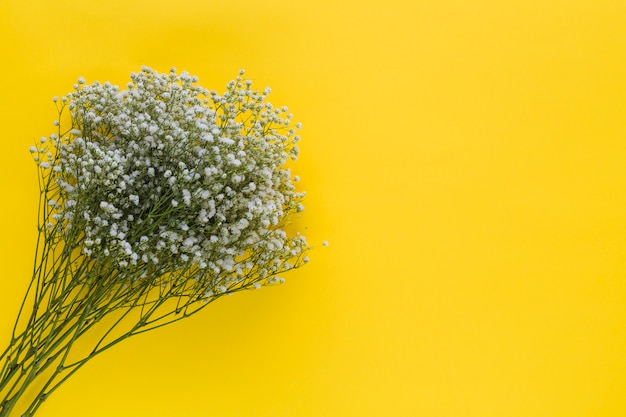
[134, 198]
[186, 197]
[227, 141]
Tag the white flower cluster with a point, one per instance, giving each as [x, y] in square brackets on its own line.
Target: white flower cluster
[168, 176]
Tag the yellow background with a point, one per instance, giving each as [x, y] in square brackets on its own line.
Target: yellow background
[466, 160]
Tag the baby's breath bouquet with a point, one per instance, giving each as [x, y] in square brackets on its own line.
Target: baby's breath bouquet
[154, 201]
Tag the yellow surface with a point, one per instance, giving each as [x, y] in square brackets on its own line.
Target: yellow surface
[466, 160]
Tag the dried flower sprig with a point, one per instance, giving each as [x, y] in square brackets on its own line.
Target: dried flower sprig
[158, 200]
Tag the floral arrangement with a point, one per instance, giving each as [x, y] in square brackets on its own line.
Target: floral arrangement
[155, 201]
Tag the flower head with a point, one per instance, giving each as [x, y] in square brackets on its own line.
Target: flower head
[169, 177]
